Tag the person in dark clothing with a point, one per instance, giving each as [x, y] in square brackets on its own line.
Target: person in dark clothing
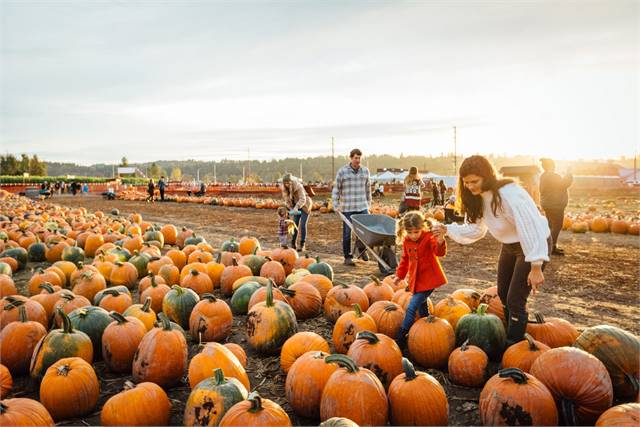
[150, 190]
[554, 198]
[443, 192]
[435, 193]
[161, 187]
[74, 188]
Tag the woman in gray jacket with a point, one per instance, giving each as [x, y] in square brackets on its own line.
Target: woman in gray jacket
[299, 204]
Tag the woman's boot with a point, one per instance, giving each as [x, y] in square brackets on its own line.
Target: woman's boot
[401, 339]
[516, 329]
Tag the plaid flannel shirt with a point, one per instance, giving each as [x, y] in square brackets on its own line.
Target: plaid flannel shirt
[283, 227]
[352, 189]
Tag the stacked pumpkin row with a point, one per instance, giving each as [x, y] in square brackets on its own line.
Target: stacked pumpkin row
[601, 224]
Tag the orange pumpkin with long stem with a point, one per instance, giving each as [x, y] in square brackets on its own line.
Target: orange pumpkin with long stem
[406, 410]
[255, 411]
[143, 312]
[210, 320]
[9, 310]
[69, 389]
[376, 291]
[468, 365]
[521, 355]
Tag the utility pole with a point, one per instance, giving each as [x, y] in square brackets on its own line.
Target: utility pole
[455, 151]
[198, 175]
[249, 159]
[243, 175]
[333, 162]
[300, 170]
[215, 177]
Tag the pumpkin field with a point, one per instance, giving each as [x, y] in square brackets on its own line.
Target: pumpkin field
[241, 315]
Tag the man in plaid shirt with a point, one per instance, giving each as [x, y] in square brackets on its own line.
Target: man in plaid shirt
[352, 195]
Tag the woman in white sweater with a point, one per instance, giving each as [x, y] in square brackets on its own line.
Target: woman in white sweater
[508, 212]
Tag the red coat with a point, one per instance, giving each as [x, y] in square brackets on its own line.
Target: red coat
[420, 262]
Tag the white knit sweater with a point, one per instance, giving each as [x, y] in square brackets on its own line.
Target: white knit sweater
[518, 221]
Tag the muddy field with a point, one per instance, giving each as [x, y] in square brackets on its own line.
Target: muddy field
[595, 283]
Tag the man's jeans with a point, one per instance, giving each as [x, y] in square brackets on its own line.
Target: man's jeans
[346, 235]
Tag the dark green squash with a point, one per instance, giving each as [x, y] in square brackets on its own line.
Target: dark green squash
[254, 262]
[140, 262]
[74, 254]
[483, 330]
[92, 321]
[19, 254]
[194, 240]
[323, 268]
[152, 235]
[123, 254]
[37, 251]
[619, 351]
[270, 324]
[58, 344]
[241, 297]
[178, 304]
[230, 245]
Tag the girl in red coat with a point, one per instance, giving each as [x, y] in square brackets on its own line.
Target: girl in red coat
[421, 248]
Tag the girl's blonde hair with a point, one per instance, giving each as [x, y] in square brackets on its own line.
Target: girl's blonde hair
[413, 176]
[411, 220]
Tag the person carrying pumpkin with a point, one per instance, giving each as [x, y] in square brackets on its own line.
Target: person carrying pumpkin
[299, 204]
[421, 248]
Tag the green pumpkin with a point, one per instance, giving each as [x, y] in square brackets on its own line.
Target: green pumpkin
[154, 235]
[36, 252]
[178, 304]
[58, 344]
[19, 254]
[241, 297]
[255, 263]
[270, 324]
[295, 276]
[140, 262]
[4, 236]
[323, 268]
[115, 212]
[73, 254]
[92, 321]
[618, 350]
[121, 289]
[194, 240]
[483, 330]
[123, 254]
[6, 269]
[210, 400]
[230, 245]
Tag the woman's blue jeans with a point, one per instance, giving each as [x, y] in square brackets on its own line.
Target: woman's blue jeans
[418, 303]
[301, 224]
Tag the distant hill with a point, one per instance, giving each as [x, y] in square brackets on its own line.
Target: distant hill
[313, 168]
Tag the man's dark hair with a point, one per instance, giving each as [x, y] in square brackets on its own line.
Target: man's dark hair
[355, 152]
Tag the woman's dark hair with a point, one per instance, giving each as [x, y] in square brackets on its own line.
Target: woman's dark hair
[472, 205]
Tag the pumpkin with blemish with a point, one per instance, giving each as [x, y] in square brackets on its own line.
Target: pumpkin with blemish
[468, 365]
[24, 412]
[305, 381]
[92, 321]
[211, 399]
[347, 327]
[468, 296]
[210, 320]
[58, 344]
[144, 404]
[513, 397]
[178, 304]
[270, 324]
[341, 298]
[215, 355]
[388, 317]
[18, 341]
[120, 341]
[161, 357]
[304, 299]
[378, 353]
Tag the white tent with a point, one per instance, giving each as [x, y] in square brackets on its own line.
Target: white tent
[386, 176]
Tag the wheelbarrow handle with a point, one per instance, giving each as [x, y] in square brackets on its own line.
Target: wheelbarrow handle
[375, 255]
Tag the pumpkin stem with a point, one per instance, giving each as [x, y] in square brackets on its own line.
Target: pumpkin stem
[47, 287]
[209, 297]
[269, 301]
[218, 376]
[63, 370]
[288, 292]
[146, 305]
[164, 320]
[568, 413]
[68, 296]
[128, 385]
[256, 402]
[22, 314]
[178, 289]
[67, 327]
[375, 280]
[390, 307]
[539, 317]
[635, 384]
[343, 361]
[234, 261]
[357, 309]
[369, 336]
[515, 374]
[3, 408]
[409, 370]
[118, 317]
[532, 343]
[218, 257]
[464, 345]
[112, 292]
[194, 272]
[482, 309]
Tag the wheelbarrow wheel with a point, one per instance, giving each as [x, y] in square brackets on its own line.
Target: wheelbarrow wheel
[388, 255]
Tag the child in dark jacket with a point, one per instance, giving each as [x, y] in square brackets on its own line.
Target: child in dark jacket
[421, 248]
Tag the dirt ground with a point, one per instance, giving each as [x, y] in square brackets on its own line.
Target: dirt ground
[595, 283]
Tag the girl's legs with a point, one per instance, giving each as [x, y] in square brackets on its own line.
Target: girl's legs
[417, 303]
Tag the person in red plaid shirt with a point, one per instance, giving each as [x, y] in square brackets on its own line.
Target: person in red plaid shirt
[352, 195]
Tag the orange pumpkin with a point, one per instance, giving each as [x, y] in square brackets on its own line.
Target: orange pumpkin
[467, 296]
[552, 331]
[199, 282]
[379, 353]
[627, 414]
[248, 245]
[215, 355]
[113, 300]
[378, 291]
[431, 341]
[304, 299]
[468, 365]
[451, 310]
[6, 381]
[210, 320]
[238, 352]
[341, 298]
[124, 407]
[321, 282]
[24, 412]
[299, 344]
[255, 411]
[273, 270]
[18, 341]
[522, 354]
[231, 274]
[305, 381]
[388, 317]
[348, 326]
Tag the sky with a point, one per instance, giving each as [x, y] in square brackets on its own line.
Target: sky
[92, 81]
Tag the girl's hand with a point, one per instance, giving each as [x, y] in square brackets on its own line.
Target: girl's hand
[440, 232]
[396, 280]
[535, 279]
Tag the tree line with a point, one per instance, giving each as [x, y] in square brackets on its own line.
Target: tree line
[11, 165]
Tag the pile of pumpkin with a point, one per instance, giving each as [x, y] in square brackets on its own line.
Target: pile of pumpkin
[618, 224]
[78, 312]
